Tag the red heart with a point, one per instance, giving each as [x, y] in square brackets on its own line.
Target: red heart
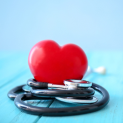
[52, 63]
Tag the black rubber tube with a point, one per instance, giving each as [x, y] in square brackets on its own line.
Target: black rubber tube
[62, 93]
[13, 92]
[61, 111]
[35, 84]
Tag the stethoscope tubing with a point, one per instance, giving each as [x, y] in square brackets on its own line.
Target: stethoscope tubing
[13, 92]
[51, 92]
[19, 102]
[62, 93]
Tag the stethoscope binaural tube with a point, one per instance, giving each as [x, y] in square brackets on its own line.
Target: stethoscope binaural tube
[13, 92]
[62, 93]
[19, 102]
[51, 92]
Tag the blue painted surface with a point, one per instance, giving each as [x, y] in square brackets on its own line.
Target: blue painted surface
[15, 71]
[92, 24]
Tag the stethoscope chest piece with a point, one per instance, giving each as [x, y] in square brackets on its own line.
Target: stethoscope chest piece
[78, 84]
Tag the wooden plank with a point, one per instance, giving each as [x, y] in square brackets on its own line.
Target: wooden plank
[112, 81]
[9, 112]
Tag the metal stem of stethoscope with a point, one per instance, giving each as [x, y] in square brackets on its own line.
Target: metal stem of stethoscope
[69, 84]
[33, 83]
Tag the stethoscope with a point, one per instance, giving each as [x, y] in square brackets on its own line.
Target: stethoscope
[73, 91]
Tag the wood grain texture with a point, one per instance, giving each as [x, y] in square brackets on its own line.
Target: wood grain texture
[14, 70]
[18, 74]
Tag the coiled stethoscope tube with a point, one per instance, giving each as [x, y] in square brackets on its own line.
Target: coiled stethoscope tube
[62, 93]
[74, 91]
[52, 93]
[61, 111]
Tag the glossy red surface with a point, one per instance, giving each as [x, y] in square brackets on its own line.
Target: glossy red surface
[52, 63]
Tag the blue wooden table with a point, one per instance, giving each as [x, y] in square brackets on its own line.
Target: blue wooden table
[14, 71]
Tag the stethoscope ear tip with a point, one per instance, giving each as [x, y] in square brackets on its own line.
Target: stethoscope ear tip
[100, 70]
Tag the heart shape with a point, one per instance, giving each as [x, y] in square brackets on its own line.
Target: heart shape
[52, 63]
